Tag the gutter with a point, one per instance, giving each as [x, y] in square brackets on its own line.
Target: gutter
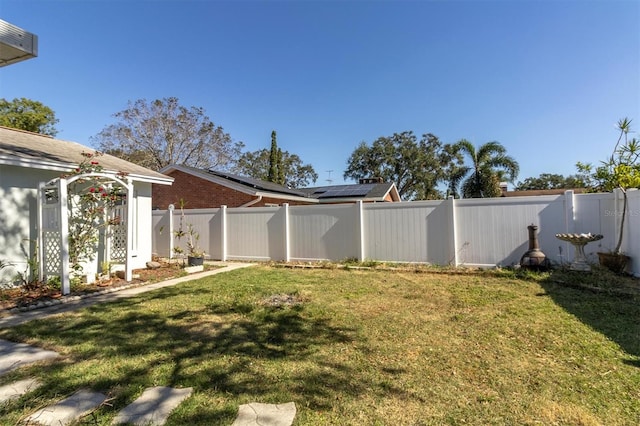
[252, 202]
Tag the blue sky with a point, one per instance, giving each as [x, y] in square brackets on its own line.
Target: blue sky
[547, 79]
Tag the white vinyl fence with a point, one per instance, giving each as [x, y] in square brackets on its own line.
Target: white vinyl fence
[470, 232]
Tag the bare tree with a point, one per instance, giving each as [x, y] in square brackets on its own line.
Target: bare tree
[162, 132]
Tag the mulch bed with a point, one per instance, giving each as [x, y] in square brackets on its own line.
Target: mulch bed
[19, 296]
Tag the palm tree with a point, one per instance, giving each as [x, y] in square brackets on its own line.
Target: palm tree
[489, 166]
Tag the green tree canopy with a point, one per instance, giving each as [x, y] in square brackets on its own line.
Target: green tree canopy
[550, 181]
[292, 172]
[162, 132]
[415, 166]
[27, 114]
[489, 165]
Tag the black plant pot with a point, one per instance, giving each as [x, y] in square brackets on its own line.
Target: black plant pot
[615, 262]
[195, 260]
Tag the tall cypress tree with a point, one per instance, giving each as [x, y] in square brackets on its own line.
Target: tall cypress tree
[273, 159]
[280, 180]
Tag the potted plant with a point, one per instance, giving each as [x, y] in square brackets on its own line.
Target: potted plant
[195, 255]
[621, 171]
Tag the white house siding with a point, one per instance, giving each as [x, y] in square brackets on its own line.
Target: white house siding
[18, 216]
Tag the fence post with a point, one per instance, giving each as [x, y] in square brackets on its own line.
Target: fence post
[287, 235]
[223, 233]
[570, 213]
[454, 232]
[570, 224]
[170, 213]
[360, 230]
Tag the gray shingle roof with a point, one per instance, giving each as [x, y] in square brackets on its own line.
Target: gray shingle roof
[33, 148]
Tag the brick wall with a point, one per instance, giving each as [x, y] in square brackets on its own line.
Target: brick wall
[201, 194]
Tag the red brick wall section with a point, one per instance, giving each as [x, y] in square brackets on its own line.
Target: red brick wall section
[202, 194]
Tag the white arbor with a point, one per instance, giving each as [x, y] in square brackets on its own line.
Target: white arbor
[82, 218]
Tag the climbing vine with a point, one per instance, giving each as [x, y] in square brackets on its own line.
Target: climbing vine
[90, 202]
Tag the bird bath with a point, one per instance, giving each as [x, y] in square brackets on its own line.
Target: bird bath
[579, 241]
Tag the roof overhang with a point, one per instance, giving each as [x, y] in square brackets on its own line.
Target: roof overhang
[16, 44]
[66, 167]
[202, 174]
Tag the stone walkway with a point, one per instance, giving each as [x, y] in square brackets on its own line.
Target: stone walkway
[151, 408]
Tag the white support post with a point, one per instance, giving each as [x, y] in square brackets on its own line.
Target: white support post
[287, 234]
[570, 225]
[570, 213]
[64, 235]
[171, 242]
[107, 240]
[129, 259]
[360, 230]
[453, 233]
[40, 240]
[223, 233]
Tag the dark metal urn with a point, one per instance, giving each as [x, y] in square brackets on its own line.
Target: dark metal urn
[534, 258]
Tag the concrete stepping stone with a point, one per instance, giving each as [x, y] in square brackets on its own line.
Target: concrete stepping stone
[67, 410]
[13, 355]
[258, 414]
[16, 389]
[153, 406]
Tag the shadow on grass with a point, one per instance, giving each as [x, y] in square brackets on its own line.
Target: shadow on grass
[229, 350]
[593, 299]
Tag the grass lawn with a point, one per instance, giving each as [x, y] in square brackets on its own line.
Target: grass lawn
[358, 348]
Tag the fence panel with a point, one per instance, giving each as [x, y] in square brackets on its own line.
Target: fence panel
[408, 232]
[474, 232]
[493, 231]
[631, 243]
[595, 213]
[324, 232]
[256, 233]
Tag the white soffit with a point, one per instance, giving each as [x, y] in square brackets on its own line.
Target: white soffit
[16, 44]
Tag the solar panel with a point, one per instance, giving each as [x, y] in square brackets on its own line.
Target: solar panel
[348, 191]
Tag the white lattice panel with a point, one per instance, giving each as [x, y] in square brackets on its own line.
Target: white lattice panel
[52, 254]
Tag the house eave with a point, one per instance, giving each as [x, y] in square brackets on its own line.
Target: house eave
[234, 185]
[65, 167]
